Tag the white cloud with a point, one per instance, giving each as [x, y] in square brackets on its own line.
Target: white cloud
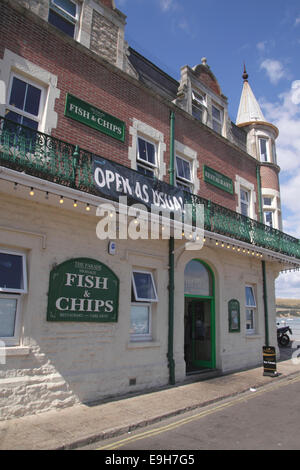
[287, 286]
[297, 21]
[274, 70]
[165, 5]
[285, 114]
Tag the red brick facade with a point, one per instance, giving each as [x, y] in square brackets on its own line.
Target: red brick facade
[84, 75]
[269, 177]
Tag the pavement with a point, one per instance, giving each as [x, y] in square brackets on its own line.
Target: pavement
[81, 424]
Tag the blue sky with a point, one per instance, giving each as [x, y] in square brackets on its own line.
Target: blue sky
[265, 35]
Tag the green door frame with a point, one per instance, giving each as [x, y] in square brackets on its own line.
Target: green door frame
[212, 363]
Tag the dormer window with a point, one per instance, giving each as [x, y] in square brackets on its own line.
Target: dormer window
[217, 119]
[199, 106]
[64, 15]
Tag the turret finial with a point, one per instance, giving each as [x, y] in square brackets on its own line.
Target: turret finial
[245, 75]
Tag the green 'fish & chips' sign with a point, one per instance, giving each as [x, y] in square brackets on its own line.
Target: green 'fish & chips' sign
[83, 290]
[93, 117]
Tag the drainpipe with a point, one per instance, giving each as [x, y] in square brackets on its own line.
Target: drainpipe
[171, 362]
[263, 263]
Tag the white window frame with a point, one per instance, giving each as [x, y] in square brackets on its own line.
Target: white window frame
[270, 211]
[199, 102]
[15, 339]
[243, 202]
[214, 119]
[15, 64]
[274, 207]
[146, 132]
[21, 112]
[143, 303]
[145, 163]
[266, 139]
[253, 309]
[180, 180]
[189, 155]
[244, 184]
[16, 294]
[74, 20]
[143, 336]
[135, 290]
[24, 273]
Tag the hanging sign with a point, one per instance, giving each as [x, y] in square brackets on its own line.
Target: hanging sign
[114, 180]
[217, 179]
[83, 290]
[93, 117]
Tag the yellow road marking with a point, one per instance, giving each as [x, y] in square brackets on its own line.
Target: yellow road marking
[202, 414]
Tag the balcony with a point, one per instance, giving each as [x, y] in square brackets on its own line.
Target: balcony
[37, 154]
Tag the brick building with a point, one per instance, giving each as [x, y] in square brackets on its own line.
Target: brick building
[85, 119]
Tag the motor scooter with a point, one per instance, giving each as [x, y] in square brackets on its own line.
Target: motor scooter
[282, 336]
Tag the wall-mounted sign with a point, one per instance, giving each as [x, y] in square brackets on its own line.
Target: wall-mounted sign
[93, 117]
[217, 179]
[234, 315]
[83, 290]
[114, 180]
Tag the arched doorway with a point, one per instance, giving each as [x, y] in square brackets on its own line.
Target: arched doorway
[199, 316]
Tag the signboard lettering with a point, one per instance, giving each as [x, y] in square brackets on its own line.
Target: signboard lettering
[114, 180]
[93, 117]
[217, 179]
[83, 290]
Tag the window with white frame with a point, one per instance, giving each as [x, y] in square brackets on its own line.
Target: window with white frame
[184, 174]
[64, 15]
[264, 149]
[250, 310]
[199, 106]
[13, 283]
[269, 210]
[147, 149]
[245, 201]
[217, 119]
[274, 154]
[146, 157]
[25, 102]
[143, 295]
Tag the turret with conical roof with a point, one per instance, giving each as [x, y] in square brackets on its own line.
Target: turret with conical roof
[261, 136]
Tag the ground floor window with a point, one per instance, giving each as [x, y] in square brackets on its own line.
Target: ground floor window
[250, 310]
[13, 283]
[143, 294]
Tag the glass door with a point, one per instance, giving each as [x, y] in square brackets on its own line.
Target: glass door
[199, 337]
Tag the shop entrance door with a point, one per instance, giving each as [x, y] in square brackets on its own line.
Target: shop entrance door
[199, 334]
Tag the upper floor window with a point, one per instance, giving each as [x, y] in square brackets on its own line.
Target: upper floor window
[264, 150]
[199, 106]
[183, 173]
[245, 202]
[274, 152]
[146, 157]
[25, 102]
[217, 119]
[64, 15]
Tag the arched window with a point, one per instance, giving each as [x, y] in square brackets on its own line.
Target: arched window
[198, 279]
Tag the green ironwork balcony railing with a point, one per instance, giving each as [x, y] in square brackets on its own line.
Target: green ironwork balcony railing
[46, 157]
